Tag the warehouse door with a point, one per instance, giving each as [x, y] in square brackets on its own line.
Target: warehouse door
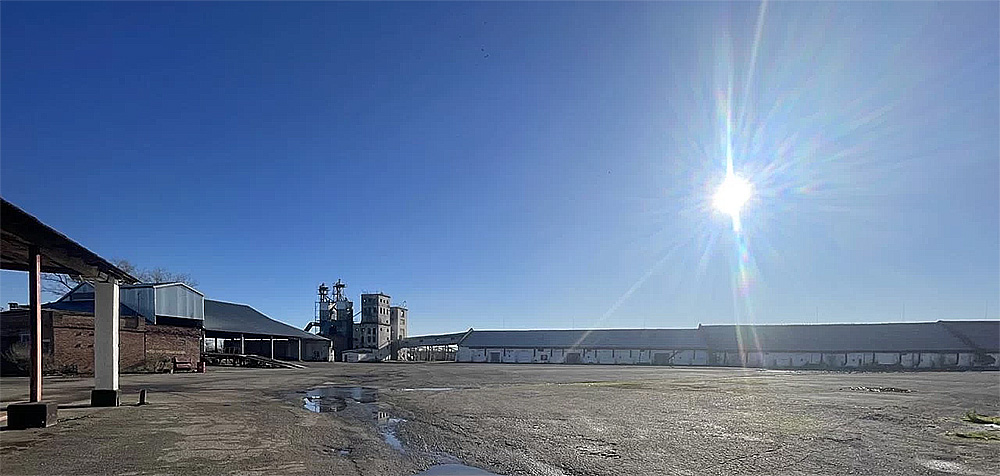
[572, 358]
[495, 357]
[663, 358]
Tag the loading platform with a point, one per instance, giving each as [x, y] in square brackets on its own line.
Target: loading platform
[247, 360]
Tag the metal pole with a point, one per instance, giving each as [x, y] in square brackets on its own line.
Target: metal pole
[243, 345]
[272, 346]
[35, 299]
[300, 349]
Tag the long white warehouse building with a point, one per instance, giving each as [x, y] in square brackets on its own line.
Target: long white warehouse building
[929, 345]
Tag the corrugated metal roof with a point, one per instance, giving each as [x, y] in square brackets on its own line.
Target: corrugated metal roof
[589, 338]
[165, 285]
[86, 307]
[983, 335]
[437, 339]
[896, 337]
[242, 319]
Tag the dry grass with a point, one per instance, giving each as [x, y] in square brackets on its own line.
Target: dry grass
[974, 417]
[980, 435]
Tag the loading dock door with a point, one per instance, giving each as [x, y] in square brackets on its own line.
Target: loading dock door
[663, 358]
[572, 358]
[495, 357]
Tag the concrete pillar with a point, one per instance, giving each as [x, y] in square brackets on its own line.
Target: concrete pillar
[272, 346]
[35, 322]
[300, 349]
[243, 345]
[105, 393]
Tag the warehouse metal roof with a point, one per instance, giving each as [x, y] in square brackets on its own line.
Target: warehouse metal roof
[437, 339]
[895, 337]
[981, 335]
[589, 338]
[242, 319]
[86, 307]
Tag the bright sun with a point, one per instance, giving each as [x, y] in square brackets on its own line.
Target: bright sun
[732, 194]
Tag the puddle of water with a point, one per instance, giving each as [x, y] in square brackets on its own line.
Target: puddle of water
[335, 399]
[428, 389]
[388, 429]
[455, 470]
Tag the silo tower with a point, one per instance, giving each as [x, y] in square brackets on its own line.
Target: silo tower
[342, 324]
[325, 310]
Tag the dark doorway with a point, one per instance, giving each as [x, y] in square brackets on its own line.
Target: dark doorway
[663, 358]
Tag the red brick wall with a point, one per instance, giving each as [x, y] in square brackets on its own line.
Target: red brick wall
[138, 342]
[73, 350]
[170, 341]
[131, 347]
[69, 340]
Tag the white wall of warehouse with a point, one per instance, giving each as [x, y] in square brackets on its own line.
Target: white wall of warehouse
[695, 357]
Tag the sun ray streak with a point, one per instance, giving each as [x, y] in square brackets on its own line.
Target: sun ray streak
[758, 32]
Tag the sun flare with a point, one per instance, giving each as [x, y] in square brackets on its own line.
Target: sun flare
[732, 194]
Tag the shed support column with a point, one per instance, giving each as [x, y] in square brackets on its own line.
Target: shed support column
[299, 349]
[34, 413]
[243, 345]
[105, 393]
[272, 346]
[35, 299]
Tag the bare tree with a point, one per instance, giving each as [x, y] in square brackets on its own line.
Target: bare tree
[60, 284]
[161, 275]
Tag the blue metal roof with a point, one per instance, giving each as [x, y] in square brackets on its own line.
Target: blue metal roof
[86, 307]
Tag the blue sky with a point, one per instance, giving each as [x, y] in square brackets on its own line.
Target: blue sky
[521, 165]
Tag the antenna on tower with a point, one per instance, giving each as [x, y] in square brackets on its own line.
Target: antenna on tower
[338, 291]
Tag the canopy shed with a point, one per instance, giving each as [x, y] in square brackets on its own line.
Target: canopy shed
[234, 328]
[32, 246]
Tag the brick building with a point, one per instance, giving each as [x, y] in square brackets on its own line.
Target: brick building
[163, 321]
[68, 341]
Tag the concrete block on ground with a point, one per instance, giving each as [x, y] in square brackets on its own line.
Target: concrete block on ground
[104, 398]
[31, 415]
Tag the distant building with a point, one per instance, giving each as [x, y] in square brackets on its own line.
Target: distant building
[234, 328]
[397, 328]
[374, 332]
[335, 318]
[956, 345]
[440, 347]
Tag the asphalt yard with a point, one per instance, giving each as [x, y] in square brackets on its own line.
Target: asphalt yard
[401, 419]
